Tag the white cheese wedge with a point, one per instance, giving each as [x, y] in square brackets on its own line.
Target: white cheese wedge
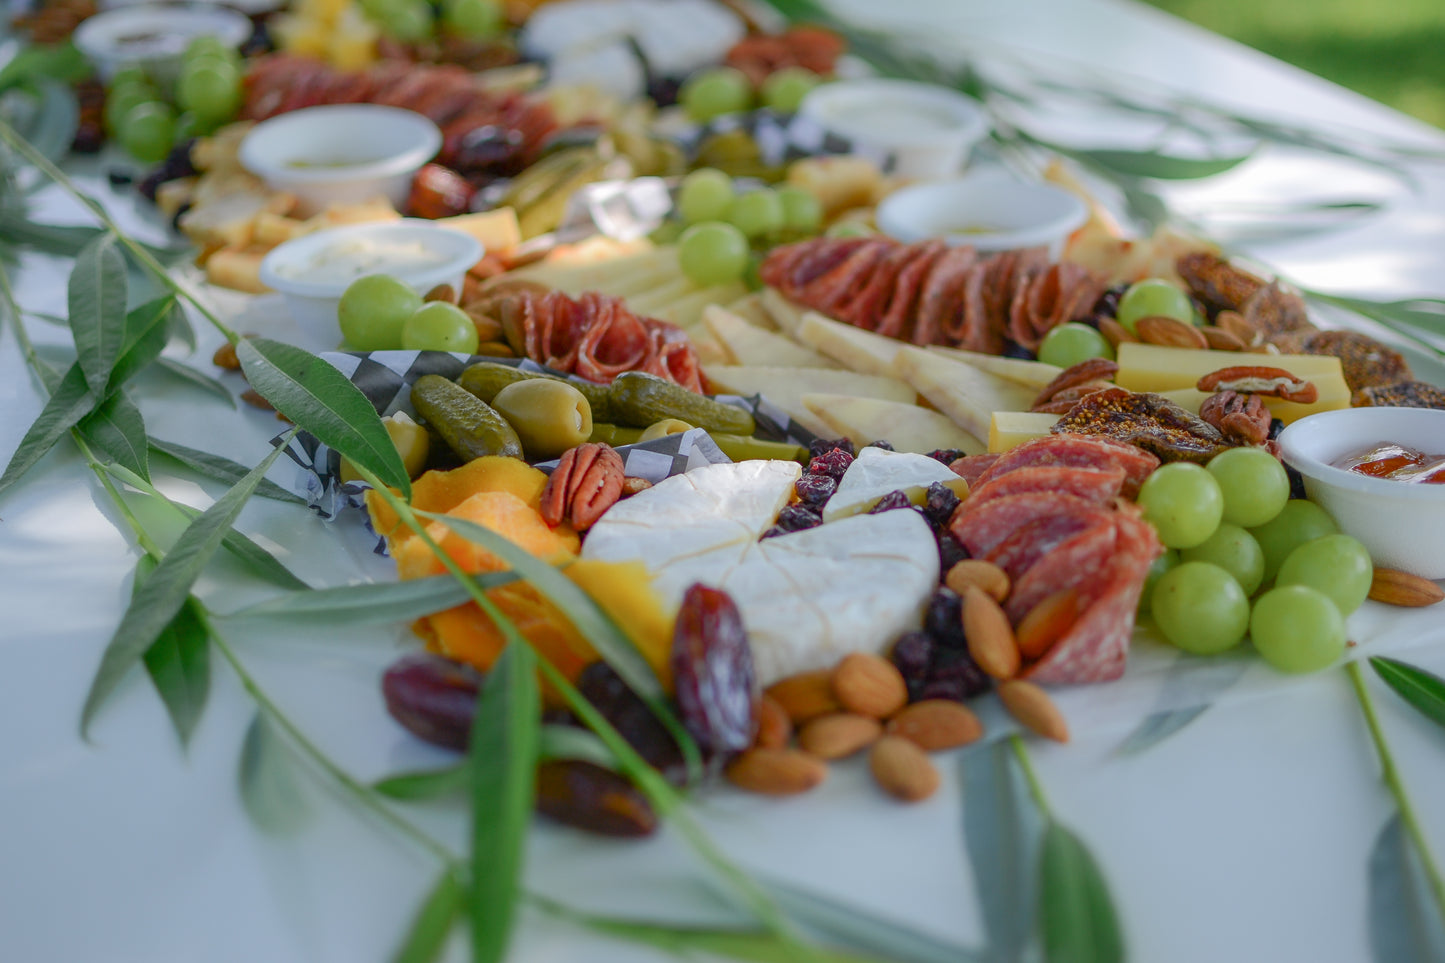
[906, 427]
[964, 393]
[854, 348]
[876, 472]
[752, 345]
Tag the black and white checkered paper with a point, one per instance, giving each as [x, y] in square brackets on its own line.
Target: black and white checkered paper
[386, 377]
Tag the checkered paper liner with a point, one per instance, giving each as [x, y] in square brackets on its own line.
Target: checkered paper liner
[386, 377]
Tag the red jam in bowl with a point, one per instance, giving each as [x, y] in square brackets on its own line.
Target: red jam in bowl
[1395, 462]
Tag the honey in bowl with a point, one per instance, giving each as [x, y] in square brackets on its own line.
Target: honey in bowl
[1395, 462]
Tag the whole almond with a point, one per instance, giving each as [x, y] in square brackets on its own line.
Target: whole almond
[869, 685]
[990, 637]
[1169, 332]
[774, 726]
[805, 695]
[776, 772]
[1116, 333]
[1394, 587]
[1046, 623]
[838, 734]
[903, 769]
[1032, 707]
[1219, 339]
[936, 724]
[985, 575]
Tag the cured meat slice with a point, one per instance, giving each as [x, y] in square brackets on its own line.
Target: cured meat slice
[1096, 648]
[1077, 451]
[970, 467]
[983, 528]
[1098, 485]
[1080, 562]
[1028, 545]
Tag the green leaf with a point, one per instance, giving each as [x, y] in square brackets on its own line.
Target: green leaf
[1156, 165]
[503, 763]
[1002, 829]
[96, 294]
[191, 376]
[426, 783]
[371, 603]
[323, 401]
[163, 594]
[1404, 920]
[117, 429]
[221, 469]
[1423, 690]
[270, 792]
[179, 663]
[427, 937]
[71, 401]
[1076, 913]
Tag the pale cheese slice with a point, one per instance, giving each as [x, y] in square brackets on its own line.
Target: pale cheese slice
[876, 472]
[752, 345]
[785, 387]
[964, 393]
[862, 351]
[906, 427]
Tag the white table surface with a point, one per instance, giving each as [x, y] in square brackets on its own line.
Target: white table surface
[1243, 837]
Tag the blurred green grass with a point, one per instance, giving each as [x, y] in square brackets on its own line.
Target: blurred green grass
[1393, 52]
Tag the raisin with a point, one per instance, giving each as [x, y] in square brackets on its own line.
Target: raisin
[943, 619]
[600, 685]
[831, 463]
[938, 509]
[947, 455]
[712, 666]
[821, 446]
[433, 697]
[815, 490]
[891, 502]
[881, 443]
[912, 655]
[589, 797]
[950, 550]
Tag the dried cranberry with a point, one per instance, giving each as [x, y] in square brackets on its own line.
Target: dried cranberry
[891, 502]
[600, 685]
[831, 463]
[821, 446]
[815, 490]
[950, 550]
[712, 665]
[947, 455]
[944, 619]
[881, 443]
[912, 654]
[942, 500]
[433, 697]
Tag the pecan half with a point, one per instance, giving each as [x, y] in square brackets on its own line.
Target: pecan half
[1241, 418]
[586, 482]
[1260, 380]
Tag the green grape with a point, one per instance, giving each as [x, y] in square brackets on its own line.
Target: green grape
[1200, 608]
[1068, 344]
[439, 326]
[705, 195]
[1162, 564]
[1298, 522]
[1234, 550]
[210, 88]
[757, 212]
[715, 91]
[148, 131]
[1254, 484]
[1297, 629]
[1153, 297]
[714, 253]
[120, 100]
[802, 211]
[785, 89]
[1183, 503]
[472, 19]
[409, 21]
[1337, 565]
[373, 310]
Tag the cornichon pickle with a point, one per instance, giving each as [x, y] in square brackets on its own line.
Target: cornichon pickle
[468, 425]
[741, 448]
[614, 435]
[639, 399]
[484, 379]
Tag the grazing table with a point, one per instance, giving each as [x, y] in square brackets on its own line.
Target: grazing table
[1245, 835]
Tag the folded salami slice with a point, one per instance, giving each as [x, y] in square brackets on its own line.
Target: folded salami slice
[1098, 485]
[1077, 451]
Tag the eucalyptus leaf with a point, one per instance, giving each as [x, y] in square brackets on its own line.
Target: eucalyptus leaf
[1425, 691]
[221, 469]
[167, 590]
[71, 401]
[270, 791]
[427, 936]
[1076, 913]
[1405, 922]
[184, 372]
[1002, 829]
[323, 401]
[1194, 681]
[96, 295]
[117, 429]
[179, 663]
[371, 603]
[503, 764]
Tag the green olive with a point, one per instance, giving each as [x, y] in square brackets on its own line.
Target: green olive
[663, 428]
[548, 416]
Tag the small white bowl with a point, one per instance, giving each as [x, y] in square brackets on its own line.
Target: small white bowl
[1402, 524]
[154, 36]
[341, 154]
[989, 210]
[913, 130]
[313, 271]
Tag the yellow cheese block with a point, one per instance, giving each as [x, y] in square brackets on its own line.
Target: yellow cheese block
[1009, 429]
[1149, 367]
